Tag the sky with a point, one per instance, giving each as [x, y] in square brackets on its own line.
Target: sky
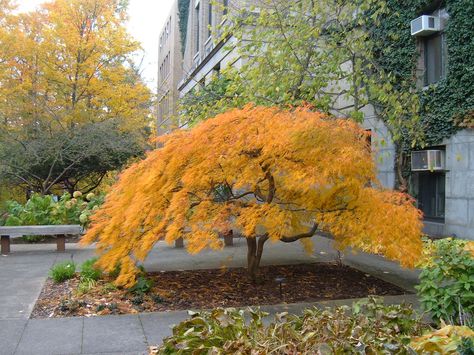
[146, 18]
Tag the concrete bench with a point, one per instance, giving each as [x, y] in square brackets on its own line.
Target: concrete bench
[59, 231]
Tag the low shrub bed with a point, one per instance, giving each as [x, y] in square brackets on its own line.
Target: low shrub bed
[369, 327]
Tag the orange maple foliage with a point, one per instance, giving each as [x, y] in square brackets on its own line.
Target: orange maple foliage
[267, 173]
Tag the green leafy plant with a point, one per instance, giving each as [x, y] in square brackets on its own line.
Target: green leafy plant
[137, 300]
[63, 271]
[33, 238]
[369, 327]
[69, 305]
[89, 271]
[142, 286]
[45, 210]
[446, 288]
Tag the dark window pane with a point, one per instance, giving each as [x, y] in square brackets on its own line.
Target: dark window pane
[431, 195]
[197, 29]
[210, 20]
[226, 5]
[435, 58]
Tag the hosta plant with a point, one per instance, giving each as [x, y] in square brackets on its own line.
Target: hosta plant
[449, 339]
[370, 327]
[44, 210]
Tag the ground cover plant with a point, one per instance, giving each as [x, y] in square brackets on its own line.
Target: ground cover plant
[267, 173]
[63, 271]
[204, 289]
[89, 271]
[369, 327]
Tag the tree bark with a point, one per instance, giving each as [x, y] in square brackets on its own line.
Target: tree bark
[401, 182]
[254, 255]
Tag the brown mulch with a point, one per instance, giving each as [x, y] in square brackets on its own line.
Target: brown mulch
[201, 289]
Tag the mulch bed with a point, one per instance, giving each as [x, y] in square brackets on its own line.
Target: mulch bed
[201, 289]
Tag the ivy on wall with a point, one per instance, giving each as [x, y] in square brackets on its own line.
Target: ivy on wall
[447, 106]
[183, 11]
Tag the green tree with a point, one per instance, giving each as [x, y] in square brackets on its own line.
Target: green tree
[204, 101]
[316, 53]
[76, 159]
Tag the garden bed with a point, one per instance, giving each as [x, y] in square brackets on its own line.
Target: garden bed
[202, 289]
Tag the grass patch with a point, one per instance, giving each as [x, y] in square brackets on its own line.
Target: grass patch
[63, 271]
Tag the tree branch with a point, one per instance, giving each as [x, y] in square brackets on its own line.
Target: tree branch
[294, 238]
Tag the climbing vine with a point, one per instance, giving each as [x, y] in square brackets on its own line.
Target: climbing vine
[447, 106]
[183, 11]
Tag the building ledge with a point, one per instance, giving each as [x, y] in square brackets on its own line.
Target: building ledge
[435, 229]
[204, 61]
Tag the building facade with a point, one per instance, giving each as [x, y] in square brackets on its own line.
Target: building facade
[441, 173]
[170, 68]
[206, 50]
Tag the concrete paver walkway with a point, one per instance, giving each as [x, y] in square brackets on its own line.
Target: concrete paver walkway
[24, 271]
[123, 334]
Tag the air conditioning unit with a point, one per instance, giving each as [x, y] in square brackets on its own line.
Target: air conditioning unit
[428, 160]
[425, 25]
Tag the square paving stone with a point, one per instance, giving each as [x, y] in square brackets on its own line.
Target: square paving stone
[16, 306]
[10, 334]
[159, 325]
[109, 334]
[52, 336]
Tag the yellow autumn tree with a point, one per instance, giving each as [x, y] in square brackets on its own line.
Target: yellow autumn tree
[70, 62]
[68, 91]
[267, 173]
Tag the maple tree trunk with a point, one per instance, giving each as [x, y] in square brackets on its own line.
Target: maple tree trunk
[401, 182]
[254, 255]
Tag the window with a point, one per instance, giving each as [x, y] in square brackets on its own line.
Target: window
[435, 58]
[197, 28]
[225, 4]
[435, 51]
[431, 195]
[216, 71]
[209, 20]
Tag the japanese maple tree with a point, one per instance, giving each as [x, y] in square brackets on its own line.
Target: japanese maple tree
[267, 173]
